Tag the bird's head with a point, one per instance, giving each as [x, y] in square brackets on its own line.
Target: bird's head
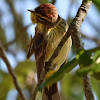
[44, 14]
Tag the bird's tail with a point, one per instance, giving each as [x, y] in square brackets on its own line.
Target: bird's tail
[51, 93]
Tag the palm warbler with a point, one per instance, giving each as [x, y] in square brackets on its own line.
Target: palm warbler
[49, 32]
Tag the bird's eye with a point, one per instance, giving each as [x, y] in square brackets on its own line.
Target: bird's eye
[41, 19]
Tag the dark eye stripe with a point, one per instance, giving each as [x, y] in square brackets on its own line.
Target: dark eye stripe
[41, 19]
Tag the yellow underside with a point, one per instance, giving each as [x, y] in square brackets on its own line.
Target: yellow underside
[60, 59]
[55, 35]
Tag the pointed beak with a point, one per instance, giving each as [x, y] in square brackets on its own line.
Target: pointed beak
[31, 10]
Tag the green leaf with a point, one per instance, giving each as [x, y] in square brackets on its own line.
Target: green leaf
[59, 74]
[96, 55]
[84, 58]
[87, 69]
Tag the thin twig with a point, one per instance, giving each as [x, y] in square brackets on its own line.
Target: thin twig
[11, 72]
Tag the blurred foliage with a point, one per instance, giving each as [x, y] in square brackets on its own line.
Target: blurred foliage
[23, 68]
[83, 58]
[97, 3]
[25, 75]
[71, 84]
[96, 86]
[96, 55]
[43, 1]
[60, 73]
[5, 84]
[71, 88]
[92, 68]
[47, 1]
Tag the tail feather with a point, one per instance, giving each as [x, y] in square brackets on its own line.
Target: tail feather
[52, 93]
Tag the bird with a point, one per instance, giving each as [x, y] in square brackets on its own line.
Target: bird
[49, 32]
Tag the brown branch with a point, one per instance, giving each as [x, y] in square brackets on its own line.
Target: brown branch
[91, 38]
[87, 89]
[11, 72]
[42, 77]
[82, 12]
[74, 30]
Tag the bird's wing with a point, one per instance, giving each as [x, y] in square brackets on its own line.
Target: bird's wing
[30, 47]
[38, 47]
[40, 52]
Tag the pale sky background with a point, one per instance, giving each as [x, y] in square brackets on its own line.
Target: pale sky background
[63, 10]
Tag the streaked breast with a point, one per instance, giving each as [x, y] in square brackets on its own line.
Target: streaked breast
[55, 35]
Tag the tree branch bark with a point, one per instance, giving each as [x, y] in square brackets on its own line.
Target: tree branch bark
[11, 72]
[82, 12]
